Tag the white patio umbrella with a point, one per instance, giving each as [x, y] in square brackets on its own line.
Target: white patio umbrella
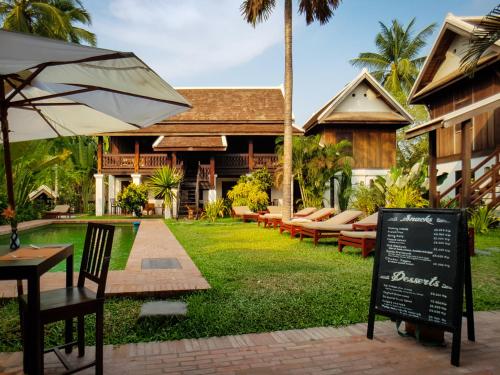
[50, 88]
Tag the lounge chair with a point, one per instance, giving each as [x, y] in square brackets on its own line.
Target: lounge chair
[244, 213]
[57, 212]
[274, 220]
[364, 240]
[332, 227]
[272, 211]
[291, 225]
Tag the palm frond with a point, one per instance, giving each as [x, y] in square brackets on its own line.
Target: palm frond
[318, 10]
[256, 11]
[485, 35]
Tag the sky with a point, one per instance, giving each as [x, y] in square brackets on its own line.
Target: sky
[207, 43]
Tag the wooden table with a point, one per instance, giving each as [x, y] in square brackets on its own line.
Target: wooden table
[29, 264]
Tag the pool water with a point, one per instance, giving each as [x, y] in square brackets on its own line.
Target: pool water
[75, 234]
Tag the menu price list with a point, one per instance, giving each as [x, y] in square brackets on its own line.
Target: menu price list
[417, 259]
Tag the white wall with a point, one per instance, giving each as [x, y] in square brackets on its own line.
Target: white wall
[364, 100]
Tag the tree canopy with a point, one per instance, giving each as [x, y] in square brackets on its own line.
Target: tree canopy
[57, 19]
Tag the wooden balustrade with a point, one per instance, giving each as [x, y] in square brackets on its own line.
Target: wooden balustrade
[204, 172]
[146, 163]
[152, 161]
[270, 161]
[130, 163]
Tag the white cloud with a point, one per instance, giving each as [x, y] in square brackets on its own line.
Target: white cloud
[181, 38]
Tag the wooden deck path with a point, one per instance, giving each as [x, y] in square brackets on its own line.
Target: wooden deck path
[313, 351]
[153, 240]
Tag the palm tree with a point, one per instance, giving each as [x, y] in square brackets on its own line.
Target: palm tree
[164, 183]
[485, 35]
[255, 11]
[50, 18]
[397, 62]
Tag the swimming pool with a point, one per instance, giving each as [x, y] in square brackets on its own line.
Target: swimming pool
[75, 234]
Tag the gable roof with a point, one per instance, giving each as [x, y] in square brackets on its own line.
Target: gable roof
[42, 189]
[333, 113]
[224, 111]
[448, 47]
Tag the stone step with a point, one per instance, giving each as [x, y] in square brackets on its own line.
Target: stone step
[159, 309]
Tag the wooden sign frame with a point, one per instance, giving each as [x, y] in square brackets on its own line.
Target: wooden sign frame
[463, 282]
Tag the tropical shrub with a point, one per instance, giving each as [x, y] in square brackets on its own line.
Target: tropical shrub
[249, 192]
[262, 177]
[404, 197]
[215, 209]
[367, 199]
[133, 198]
[314, 165]
[482, 218]
[404, 188]
[344, 180]
[164, 183]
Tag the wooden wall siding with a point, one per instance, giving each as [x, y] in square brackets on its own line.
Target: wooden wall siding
[485, 127]
[371, 148]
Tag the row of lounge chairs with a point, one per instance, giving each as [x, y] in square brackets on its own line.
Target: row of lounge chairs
[320, 223]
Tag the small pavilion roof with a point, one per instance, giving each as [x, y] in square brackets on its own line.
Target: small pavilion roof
[42, 189]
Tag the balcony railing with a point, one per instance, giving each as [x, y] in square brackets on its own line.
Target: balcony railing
[126, 163]
[244, 163]
[224, 163]
[270, 161]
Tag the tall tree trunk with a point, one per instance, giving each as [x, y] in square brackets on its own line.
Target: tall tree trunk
[14, 243]
[287, 157]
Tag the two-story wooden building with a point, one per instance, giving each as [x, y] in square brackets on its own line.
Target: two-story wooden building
[464, 130]
[366, 115]
[228, 132]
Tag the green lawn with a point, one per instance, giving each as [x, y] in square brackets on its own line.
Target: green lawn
[261, 281]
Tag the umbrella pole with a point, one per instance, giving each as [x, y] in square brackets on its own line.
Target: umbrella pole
[14, 239]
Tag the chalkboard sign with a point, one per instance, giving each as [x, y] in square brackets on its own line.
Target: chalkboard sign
[421, 267]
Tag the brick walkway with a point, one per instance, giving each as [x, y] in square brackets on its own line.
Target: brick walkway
[308, 351]
[153, 240]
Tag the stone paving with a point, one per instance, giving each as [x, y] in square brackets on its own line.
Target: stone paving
[303, 351]
[153, 240]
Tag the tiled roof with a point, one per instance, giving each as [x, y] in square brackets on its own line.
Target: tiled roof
[228, 104]
[213, 143]
[185, 129]
[224, 111]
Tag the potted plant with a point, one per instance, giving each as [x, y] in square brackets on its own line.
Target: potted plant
[133, 198]
[164, 183]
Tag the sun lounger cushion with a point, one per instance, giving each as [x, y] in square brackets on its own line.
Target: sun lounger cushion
[274, 209]
[61, 208]
[242, 210]
[372, 219]
[326, 226]
[336, 223]
[361, 234]
[319, 214]
[306, 211]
